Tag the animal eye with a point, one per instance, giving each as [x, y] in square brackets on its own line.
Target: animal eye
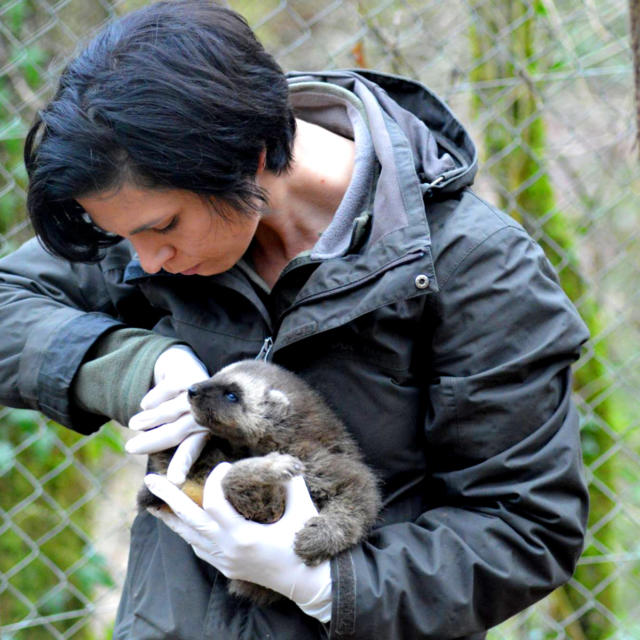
[230, 396]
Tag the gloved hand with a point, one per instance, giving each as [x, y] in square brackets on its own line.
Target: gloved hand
[166, 419]
[246, 550]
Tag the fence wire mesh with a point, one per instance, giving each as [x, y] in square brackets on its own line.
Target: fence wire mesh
[545, 87]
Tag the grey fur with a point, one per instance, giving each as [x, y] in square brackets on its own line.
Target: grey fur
[273, 427]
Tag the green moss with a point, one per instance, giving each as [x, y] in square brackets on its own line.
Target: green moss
[515, 144]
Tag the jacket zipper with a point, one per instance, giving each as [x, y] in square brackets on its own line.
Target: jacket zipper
[265, 350]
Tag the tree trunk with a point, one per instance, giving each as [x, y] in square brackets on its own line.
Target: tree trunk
[504, 50]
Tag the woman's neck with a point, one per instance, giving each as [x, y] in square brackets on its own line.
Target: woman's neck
[302, 201]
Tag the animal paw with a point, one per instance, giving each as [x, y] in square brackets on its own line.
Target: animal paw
[282, 466]
[318, 540]
[274, 468]
[259, 595]
[254, 486]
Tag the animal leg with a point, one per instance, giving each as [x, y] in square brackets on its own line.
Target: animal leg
[349, 504]
[254, 485]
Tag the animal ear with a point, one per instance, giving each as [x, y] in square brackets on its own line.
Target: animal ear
[279, 401]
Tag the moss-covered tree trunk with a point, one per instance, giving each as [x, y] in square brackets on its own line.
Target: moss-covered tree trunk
[503, 45]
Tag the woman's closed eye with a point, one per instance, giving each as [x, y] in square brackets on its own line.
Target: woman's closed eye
[172, 224]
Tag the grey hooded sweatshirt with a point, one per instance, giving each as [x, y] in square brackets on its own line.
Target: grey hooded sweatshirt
[432, 323]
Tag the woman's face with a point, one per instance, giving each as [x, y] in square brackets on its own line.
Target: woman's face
[172, 229]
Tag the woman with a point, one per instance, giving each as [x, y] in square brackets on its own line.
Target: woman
[197, 208]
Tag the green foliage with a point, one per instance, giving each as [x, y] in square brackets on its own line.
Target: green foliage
[25, 64]
[517, 139]
[15, 16]
[47, 473]
[45, 553]
[28, 61]
[46, 481]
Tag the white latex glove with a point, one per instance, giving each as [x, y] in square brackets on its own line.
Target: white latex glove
[166, 419]
[246, 550]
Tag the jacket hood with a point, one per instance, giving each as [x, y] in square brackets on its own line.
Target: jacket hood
[446, 159]
[421, 150]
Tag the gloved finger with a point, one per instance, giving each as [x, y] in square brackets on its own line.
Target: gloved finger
[184, 530]
[168, 411]
[299, 501]
[213, 556]
[162, 392]
[165, 436]
[213, 500]
[184, 457]
[181, 505]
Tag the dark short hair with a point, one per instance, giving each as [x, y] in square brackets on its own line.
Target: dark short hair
[179, 94]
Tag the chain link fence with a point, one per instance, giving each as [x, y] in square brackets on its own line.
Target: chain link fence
[545, 87]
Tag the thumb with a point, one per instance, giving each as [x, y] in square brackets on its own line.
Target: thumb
[164, 391]
[299, 500]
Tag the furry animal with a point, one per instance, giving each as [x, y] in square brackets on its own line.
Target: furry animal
[272, 425]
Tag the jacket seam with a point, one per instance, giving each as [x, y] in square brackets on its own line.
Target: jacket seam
[217, 333]
[57, 402]
[409, 257]
[86, 304]
[484, 241]
[453, 401]
[347, 318]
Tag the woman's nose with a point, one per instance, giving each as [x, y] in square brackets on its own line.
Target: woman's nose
[153, 255]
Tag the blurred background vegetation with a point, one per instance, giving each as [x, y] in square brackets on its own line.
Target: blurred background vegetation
[546, 88]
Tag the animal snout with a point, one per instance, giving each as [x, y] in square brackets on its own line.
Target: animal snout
[193, 391]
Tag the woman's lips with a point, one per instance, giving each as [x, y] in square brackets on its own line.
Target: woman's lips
[190, 272]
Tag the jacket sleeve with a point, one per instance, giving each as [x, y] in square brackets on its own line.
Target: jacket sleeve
[507, 501]
[51, 313]
[117, 372]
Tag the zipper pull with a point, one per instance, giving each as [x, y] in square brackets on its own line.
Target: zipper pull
[265, 351]
[427, 188]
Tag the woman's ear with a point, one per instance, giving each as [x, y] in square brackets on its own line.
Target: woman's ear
[262, 161]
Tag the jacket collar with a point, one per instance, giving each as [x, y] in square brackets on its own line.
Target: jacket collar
[422, 151]
[423, 117]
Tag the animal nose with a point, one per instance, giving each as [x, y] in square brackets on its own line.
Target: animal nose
[193, 391]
